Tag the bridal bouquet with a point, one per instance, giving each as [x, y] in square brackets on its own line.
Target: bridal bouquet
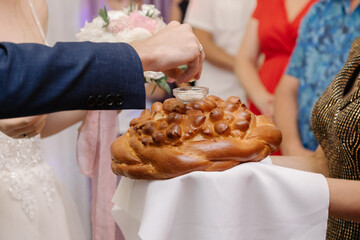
[127, 25]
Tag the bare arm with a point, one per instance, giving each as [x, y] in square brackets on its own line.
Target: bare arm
[344, 199]
[316, 162]
[344, 194]
[59, 121]
[247, 71]
[286, 114]
[175, 12]
[45, 125]
[214, 54]
[24, 126]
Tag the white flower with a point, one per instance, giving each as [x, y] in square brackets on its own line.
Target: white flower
[133, 35]
[150, 10]
[149, 75]
[114, 14]
[96, 32]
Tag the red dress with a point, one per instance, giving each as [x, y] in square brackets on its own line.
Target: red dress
[277, 38]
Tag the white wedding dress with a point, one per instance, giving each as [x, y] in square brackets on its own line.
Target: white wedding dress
[32, 204]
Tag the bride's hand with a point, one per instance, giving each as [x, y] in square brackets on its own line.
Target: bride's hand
[23, 127]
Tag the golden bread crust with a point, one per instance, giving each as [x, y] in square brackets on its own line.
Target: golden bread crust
[174, 138]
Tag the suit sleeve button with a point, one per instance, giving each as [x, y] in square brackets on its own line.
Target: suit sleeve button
[91, 101]
[110, 100]
[100, 100]
[119, 99]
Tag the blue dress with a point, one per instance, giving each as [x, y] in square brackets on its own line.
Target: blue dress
[323, 43]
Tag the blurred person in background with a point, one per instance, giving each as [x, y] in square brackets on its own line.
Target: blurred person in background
[335, 121]
[325, 37]
[178, 10]
[220, 27]
[272, 31]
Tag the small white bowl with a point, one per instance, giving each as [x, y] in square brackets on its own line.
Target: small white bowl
[190, 94]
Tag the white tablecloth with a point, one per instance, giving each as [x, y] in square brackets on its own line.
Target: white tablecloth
[253, 201]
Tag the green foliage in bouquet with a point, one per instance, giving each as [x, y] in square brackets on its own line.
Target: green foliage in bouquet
[162, 82]
[104, 15]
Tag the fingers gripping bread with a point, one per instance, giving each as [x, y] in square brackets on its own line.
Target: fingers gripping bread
[174, 138]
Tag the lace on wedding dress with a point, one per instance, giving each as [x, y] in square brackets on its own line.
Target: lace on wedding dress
[21, 163]
[22, 166]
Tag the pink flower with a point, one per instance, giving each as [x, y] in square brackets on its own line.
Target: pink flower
[119, 24]
[138, 20]
[134, 20]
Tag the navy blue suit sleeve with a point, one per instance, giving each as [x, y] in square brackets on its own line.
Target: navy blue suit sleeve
[36, 79]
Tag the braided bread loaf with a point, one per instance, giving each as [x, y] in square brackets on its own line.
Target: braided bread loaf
[176, 138]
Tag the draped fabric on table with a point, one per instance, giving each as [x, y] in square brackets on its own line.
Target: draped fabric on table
[251, 201]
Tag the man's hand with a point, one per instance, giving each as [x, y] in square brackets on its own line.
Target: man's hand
[23, 127]
[169, 48]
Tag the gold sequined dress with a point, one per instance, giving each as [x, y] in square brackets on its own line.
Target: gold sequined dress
[335, 122]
